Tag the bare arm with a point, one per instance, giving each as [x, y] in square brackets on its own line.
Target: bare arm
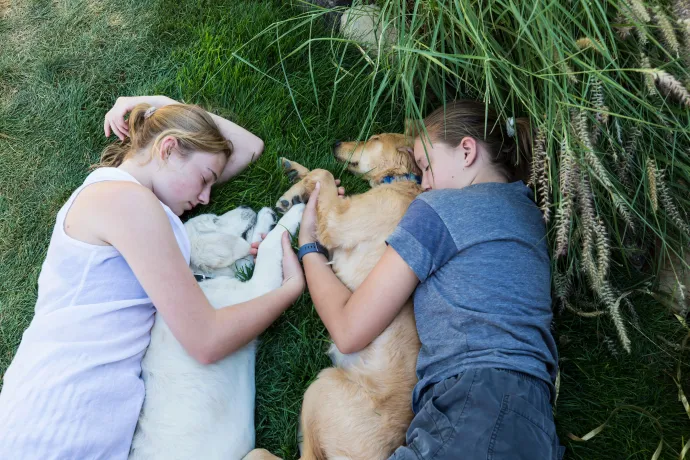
[247, 147]
[355, 319]
[132, 215]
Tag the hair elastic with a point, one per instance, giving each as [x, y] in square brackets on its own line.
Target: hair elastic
[149, 112]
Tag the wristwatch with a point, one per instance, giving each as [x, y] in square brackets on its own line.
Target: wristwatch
[311, 247]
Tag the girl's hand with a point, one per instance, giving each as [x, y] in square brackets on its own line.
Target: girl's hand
[341, 190]
[293, 276]
[254, 247]
[115, 118]
[307, 229]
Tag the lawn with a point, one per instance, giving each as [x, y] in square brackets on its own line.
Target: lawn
[63, 64]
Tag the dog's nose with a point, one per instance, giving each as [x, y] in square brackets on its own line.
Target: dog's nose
[335, 146]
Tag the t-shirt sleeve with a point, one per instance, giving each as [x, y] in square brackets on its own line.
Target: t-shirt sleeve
[422, 240]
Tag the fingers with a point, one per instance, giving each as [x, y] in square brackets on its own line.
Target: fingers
[106, 127]
[116, 131]
[254, 247]
[341, 190]
[124, 126]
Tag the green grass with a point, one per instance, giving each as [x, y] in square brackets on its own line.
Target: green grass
[64, 63]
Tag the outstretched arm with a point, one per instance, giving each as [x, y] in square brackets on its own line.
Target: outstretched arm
[207, 334]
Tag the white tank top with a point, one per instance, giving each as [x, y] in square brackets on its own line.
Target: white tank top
[73, 390]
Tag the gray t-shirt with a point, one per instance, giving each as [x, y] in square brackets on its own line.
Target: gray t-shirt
[484, 298]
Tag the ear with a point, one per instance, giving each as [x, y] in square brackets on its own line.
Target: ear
[166, 146]
[412, 127]
[407, 161]
[468, 149]
[217, 250]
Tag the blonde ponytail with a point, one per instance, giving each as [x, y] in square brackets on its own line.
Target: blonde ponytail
[191, 125]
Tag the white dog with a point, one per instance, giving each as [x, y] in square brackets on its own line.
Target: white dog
[193, 411]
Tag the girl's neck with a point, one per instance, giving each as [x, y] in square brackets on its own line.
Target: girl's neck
[489, 175]
[141, 172]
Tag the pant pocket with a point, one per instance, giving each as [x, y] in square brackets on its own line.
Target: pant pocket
[522, 432]
[429, 431]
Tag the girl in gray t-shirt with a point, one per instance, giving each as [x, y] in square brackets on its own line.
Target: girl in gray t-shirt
[472, 249]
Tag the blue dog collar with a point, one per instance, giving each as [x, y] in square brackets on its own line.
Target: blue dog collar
[403, 177]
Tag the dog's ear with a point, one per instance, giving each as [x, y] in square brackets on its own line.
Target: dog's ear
[217, 250]
[412, 127]
[407, 161]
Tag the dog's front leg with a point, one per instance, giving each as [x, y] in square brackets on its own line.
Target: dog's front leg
[329, 207]
[268, 270]
[295, 194]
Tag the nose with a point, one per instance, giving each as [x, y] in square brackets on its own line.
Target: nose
[335, 146]
[205, 196]
[426, 186]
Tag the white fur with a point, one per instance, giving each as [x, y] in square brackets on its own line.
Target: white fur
[192, 411]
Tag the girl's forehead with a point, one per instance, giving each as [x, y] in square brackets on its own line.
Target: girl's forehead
[211, 160]
[422, 149]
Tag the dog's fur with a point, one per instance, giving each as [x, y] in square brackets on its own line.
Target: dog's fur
[195, 411]
[361, 408]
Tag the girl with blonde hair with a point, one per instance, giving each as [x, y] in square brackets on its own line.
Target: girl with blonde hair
[119, 254]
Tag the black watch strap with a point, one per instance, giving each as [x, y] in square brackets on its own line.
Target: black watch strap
[311, 247]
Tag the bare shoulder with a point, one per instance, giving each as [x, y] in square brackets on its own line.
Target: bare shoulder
[104, 207]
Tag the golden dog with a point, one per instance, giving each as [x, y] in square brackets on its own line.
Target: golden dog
[361, 408]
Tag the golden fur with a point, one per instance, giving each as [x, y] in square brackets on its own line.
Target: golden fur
[361, 408]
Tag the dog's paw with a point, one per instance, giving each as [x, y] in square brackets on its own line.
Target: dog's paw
[292, 169]
[292, 197]
[265, 221]
[290, 221]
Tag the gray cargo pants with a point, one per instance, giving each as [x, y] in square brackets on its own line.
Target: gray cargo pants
[483, 414]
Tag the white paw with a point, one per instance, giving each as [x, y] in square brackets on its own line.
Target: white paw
[289, 223]
[292, 218]
[265, 221]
